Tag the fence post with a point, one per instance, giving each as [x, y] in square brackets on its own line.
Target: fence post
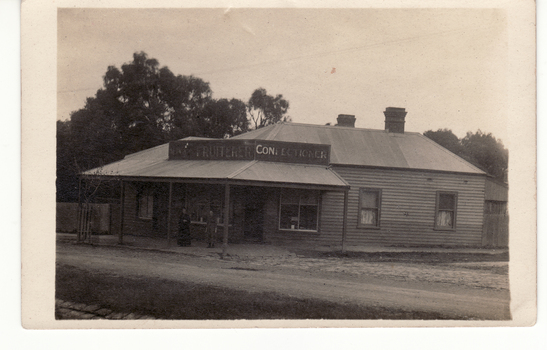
[122, 205]
[79, 211]
[88, 211]
[226, 219]
[344, 221]
[169, 213]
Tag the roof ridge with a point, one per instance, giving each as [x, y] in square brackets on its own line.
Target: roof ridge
[346, 128]
[275, 131]
[255, 131]
[242, 169]
[453, 155]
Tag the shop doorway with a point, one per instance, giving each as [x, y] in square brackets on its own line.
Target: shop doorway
[253, 226]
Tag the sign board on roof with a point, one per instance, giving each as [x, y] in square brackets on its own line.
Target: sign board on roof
[271, 151]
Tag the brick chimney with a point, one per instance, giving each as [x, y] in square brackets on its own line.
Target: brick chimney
[395, 119]
[346, 120]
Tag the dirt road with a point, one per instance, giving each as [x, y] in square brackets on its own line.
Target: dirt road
[315, 278]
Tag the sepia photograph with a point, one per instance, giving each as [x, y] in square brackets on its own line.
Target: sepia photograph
[285, 164]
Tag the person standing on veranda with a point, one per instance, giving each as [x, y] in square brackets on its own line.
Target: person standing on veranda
[184, 238]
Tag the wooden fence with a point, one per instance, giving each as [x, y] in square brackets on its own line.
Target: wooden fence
[495, 230]
[91, 218]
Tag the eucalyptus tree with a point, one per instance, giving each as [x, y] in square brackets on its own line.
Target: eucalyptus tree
[266, 109]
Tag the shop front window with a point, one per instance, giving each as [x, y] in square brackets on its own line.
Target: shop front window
[202, 199]
[299, 210]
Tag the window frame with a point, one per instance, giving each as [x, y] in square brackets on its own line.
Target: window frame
[437, 209]
[149, 196]
[318, 214]
[379, 208]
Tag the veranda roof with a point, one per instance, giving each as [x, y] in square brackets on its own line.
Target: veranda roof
[146, 165]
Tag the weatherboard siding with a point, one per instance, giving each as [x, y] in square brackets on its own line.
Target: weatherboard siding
[131, 222]
[403, 191]
[407, 208]
[157, 226]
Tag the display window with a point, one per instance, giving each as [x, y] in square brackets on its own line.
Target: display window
[299, 210]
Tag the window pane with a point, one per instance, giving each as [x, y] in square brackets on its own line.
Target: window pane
[369, 217]
[308, 217]
[308, 197]
[446, 201]
[146, 206]
[369, 199]
[289, 216]
[445, 218]
[290, 197]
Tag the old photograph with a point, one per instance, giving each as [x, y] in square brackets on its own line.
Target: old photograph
[223, 164]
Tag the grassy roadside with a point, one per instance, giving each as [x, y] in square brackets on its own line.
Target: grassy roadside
[166, 299]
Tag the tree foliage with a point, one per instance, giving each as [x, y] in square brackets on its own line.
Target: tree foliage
[222, 119]
[445, 138]
[486, 152]
[480, 149]
[148, 105]
[66, 181]
[142, 105]
[265, 109]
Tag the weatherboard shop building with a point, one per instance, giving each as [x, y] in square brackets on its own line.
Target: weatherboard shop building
[317, 185]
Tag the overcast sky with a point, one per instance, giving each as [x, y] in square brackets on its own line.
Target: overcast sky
[447, 67]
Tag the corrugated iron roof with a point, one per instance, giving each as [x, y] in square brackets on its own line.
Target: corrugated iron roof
[366, 147]
[349, 146]
[290, 173]
[142, 166]
[149, 167]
